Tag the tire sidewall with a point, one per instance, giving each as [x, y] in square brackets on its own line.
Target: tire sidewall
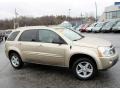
[19, 59]
[84, 60]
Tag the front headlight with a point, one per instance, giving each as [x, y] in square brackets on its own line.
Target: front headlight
[106, 51]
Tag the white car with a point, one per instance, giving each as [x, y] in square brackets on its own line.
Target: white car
[89, 29]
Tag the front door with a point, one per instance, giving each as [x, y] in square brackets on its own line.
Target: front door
[50, 50]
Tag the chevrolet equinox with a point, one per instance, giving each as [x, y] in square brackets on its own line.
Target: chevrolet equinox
[58, 46]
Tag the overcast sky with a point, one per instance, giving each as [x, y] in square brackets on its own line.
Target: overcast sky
[38, 8]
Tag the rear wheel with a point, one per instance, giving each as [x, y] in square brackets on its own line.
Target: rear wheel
[84, 69]
[16, 61]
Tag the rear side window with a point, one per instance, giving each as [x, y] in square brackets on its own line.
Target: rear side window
[29, 36]
[13, 36]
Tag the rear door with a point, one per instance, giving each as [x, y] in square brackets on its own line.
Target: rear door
[28, 45]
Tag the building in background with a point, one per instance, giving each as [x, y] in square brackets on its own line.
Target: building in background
[111, 12]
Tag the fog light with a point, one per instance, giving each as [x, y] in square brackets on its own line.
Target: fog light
[110, 62]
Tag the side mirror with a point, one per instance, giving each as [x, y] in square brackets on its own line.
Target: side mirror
[33, 40]
[58, 41]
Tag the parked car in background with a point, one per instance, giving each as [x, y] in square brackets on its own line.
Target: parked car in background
[1, 39]
[98, 27]
[2, 34]
[84, 56]
[7, 32]
[89, 29]
[108, 26]
[76, 30]
[65, 24]
[80, 27]
[116, 28]
[75, 27]
[83, 29]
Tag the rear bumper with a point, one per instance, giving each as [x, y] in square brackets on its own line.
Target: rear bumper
[89, 30]
[83, 30]
[96, 31]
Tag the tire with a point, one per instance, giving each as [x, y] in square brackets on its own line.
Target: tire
[81, 74]
[16, 61]
[5, 38]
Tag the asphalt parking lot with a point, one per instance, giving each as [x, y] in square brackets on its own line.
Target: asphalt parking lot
[33, 75]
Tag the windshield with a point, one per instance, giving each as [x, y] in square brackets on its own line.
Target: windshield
[71, 35]
[118, 24]
[99, 25]
[109, 24]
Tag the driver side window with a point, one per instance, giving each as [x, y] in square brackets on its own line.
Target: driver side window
[48, 36]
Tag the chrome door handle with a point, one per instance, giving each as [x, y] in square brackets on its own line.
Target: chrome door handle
[41, 45]
[20, 44]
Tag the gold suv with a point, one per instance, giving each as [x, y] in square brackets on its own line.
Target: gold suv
[62, 47]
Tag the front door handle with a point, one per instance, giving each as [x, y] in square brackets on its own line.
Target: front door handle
[41, 45]
[20, 44]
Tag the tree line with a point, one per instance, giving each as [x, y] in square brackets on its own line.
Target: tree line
[35, 21]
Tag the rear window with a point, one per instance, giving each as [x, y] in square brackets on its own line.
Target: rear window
[13, 36]
[29, 36]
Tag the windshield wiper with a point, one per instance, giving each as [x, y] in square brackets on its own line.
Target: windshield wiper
[78, 39]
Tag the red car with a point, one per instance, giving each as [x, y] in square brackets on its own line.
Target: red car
[83, 29]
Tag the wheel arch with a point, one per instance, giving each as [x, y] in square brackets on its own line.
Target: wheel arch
[74, 57]
[13, 51]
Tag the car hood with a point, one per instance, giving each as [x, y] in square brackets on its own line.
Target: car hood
[106, 28]
[92, 42]
[97, 28]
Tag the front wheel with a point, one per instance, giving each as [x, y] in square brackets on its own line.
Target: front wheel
[16, 61]
[84, 69]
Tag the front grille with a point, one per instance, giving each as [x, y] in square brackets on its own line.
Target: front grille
[112, 50]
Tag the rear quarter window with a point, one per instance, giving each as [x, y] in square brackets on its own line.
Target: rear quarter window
[13, 36]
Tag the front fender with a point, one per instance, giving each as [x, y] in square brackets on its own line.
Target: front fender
[92, 52]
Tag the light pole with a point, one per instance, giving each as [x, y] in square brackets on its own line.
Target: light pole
[69, 13]
[96, 10]
[82, 17]
[16, 23]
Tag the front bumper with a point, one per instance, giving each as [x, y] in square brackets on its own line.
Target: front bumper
[115, 30]
[107, 62]
[96, 30]
[105, 30]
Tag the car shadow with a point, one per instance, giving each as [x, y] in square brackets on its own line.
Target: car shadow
[101, 75]
[52, 76]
